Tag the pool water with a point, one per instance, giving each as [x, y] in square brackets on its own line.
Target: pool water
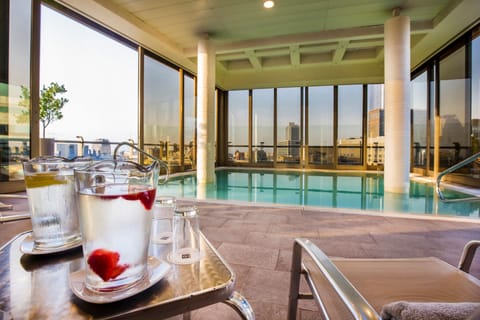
[361, 191]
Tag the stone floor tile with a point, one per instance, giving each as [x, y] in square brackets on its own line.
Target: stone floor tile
[269, 240]
[224, 234]
[267, 286]
[269, 311]
[264, 258]
[284, 260]
[215, 311]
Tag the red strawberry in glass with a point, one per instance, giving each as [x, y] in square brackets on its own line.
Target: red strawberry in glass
[105, 264]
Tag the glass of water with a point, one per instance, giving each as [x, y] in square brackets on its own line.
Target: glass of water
[51, 197]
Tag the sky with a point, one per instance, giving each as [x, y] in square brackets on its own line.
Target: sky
[100, 76]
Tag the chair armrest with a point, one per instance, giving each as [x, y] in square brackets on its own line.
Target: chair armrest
[12, 196]
[353, 300]
[467, 255]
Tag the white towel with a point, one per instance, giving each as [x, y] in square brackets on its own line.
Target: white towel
[403, 310]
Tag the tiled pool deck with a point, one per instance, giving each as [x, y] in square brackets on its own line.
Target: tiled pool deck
[257, 241]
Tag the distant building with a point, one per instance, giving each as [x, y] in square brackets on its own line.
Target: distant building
[292, 132]
[105, 149]
[67, 150]
[375, 138]
[350, 150]
[376, 123]
[289, 149]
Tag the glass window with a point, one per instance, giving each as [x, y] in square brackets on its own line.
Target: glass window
[288, 125]
[100, 76]
[419, 106]
[238, 126]
[454, 111]
[350, 115]
[476, 93]
[15, 22]
[320, 125]
[189, 122]
[375, 124]
[161, 115]
[262, 125]
[433, 114]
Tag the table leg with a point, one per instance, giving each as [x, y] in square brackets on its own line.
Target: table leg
[240, 305]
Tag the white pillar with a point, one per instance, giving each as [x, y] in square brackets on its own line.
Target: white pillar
[205, 112]
[397, 105]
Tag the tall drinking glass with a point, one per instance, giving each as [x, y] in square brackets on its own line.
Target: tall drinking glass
[162, 220]
[51, 198]
[186, 236]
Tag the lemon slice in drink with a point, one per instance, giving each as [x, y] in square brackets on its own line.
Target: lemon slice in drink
[44, 179]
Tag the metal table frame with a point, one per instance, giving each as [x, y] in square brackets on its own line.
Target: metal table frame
[37, 287]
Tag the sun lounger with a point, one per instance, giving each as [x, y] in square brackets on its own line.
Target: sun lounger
[346, 288]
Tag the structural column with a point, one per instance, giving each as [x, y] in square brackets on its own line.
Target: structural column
[205, 111]
[397, 104]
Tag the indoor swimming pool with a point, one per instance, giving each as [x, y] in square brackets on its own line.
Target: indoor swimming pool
[347, 190]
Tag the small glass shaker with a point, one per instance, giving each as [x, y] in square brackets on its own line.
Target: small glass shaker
[186, 236]
[162, 220]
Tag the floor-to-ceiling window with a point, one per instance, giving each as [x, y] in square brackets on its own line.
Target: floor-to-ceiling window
[100, 76]
[262, 125]
[375, 125]
[434, 118]
[162, 111]
[288, 125]
[475, 122]
[320, 104]
[350, 125]
[238, 126]
[419, 113]
[15, 24]
[454, 108]
[189, 122]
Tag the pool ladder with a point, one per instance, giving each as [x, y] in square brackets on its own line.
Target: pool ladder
[453, 168]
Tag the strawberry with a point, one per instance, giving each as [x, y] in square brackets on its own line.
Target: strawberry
[105, 264]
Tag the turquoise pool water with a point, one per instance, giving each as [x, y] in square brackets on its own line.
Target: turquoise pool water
[362, 191]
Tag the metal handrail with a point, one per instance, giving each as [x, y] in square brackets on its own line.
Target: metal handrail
[455, 167]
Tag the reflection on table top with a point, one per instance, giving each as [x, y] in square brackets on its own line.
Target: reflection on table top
[36, 287]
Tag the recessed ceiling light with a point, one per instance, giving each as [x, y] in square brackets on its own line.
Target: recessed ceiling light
[268, 4]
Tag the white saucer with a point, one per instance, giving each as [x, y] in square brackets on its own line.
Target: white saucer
[157, 269]
[28, 247]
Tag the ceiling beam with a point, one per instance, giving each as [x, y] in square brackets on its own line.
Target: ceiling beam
[255, 62]
[294, 56]
[340, 51]
[325, 36]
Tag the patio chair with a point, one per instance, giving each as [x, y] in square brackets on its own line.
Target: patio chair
[347, 288]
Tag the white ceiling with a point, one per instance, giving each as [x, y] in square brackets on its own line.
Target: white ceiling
[298, 42]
